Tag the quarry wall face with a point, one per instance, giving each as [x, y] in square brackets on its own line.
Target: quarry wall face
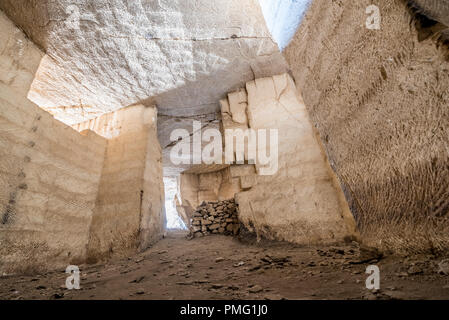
[153, 218]
[49, 173]
[66, 195]
[129, 211]
[209, 186]
[363, 151]
[301, 201]
[380, 102]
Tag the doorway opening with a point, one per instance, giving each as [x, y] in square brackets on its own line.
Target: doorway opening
[174, 221]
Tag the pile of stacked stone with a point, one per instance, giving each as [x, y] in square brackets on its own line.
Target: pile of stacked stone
[215, 217]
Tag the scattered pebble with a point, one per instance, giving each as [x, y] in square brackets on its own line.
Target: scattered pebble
[443, 267]
[255, 289]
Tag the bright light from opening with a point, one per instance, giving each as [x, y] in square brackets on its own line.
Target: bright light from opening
[171, 191]
[283, 18]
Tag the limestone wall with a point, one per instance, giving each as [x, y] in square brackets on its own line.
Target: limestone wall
[302, 202]
[67, 195]
[19, 57]
[153, 219]
[49, 173]
[188, 190]
[379, 99]
[212, 186]
[129, 210]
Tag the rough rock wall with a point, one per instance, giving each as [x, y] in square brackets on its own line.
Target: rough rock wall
[217, 186]
[19, 57]
[431, 19]
[129, 211]
[379, 99]
[153, 219]
[435, 10]
[212, 186]
[302, 202]
[49, 173]
[188, 191]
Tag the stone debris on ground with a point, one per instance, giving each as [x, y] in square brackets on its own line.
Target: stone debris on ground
[219, 217]
[231, 269]
[443, 267]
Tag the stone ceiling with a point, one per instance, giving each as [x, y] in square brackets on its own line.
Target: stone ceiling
[183, 55]
[103, 55]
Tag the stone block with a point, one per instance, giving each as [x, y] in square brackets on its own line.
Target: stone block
[237, 105]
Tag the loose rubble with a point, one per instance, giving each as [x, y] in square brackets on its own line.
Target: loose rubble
[215, 218]
[226, 269]
[443, 267]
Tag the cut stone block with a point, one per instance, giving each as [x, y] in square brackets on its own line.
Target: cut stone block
[248, 182]
[238, 102]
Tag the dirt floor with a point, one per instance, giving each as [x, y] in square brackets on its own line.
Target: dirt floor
[221, 267]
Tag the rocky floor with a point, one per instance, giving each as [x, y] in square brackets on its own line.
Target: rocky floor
[221, 267]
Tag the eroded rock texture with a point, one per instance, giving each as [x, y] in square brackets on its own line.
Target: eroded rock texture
[65, 195]
[435, 10]
[379, 99]
[431, 19]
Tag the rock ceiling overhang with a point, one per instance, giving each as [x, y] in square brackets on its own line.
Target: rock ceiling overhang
[183, 55]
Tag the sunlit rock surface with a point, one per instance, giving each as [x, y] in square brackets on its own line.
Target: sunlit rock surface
[171, 191]
[106, 54]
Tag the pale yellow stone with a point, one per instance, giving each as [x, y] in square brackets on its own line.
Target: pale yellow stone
[301, 202]
[237, 106]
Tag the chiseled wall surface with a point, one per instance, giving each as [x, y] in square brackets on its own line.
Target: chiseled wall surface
[188, 189]
[129, 211]
[380, 101]
[302, 202]
[67, 195]
[212, 186]
[19, 57]
[153, 218]
[49, 173]
[198, 187]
